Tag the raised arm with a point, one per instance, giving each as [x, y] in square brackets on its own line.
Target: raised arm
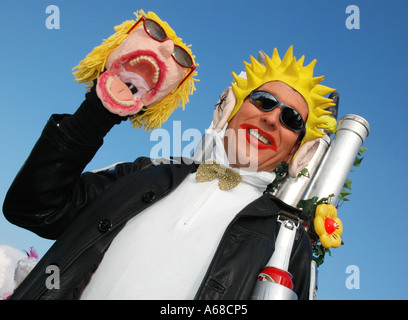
[49, 189]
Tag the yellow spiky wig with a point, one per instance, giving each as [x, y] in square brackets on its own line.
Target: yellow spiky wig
[94, 63]
[293, 73]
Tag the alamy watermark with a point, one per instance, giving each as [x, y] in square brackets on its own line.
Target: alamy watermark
[353, 20]
[53, 19]
[53, 280]
[171, 144]
[353, 280]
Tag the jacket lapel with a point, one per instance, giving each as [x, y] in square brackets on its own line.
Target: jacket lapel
[83, 242]
[245, 248]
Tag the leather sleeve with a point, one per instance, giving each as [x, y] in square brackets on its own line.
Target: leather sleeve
[299, 265]
[50, 189]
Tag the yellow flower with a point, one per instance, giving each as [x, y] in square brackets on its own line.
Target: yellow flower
[327, 226]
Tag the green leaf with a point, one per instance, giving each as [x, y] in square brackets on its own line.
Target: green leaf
[319, 251]
[361, 151]
[343, 194]
[304, 172]
[319, 261]
[357, 162]
[347, 184]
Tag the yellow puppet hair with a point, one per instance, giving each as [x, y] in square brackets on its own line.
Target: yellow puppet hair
[293, 73]
[94, 63]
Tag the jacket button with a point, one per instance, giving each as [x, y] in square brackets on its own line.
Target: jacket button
[104, 225]
[148, 197]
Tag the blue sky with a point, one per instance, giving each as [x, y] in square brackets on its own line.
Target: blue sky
[368, 66]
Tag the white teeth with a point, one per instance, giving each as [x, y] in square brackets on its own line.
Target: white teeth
[155, 77]
[260, 137]
[127, 103]
[152, 61]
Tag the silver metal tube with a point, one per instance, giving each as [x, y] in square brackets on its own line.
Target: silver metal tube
[292, 190]
[337, 163]
[265, 290]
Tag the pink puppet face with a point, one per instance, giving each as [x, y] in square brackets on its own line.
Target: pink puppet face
[140, 72]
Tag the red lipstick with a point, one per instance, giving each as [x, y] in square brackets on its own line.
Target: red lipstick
[256, 142]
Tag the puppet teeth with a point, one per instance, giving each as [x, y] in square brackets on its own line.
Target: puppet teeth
[258, 136]
[122, 103]
[152, 61]
[156, 77]
[138, 59]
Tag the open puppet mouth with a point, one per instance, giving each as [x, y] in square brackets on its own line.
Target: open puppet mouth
[132, 78]
[259, 138]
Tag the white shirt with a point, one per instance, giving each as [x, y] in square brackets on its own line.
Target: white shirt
[164, 251]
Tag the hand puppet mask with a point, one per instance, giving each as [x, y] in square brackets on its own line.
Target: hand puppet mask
[143, 67]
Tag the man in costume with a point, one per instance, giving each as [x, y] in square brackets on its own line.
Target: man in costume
[177, 230]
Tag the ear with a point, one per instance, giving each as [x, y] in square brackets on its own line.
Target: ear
[302, 157]
[223, 109]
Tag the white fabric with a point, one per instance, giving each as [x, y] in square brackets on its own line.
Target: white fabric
[164, 252]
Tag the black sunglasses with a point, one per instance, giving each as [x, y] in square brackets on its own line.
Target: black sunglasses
[156, 32]
[289, 117]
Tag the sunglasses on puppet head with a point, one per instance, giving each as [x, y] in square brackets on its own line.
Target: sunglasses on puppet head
[155, 31]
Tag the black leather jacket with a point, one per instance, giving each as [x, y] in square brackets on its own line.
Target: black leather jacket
[84, 212]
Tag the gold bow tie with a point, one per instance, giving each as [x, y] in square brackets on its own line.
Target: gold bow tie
[208, 171]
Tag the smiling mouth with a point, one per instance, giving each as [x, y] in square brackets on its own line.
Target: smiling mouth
[258, 138]
[132, 78]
